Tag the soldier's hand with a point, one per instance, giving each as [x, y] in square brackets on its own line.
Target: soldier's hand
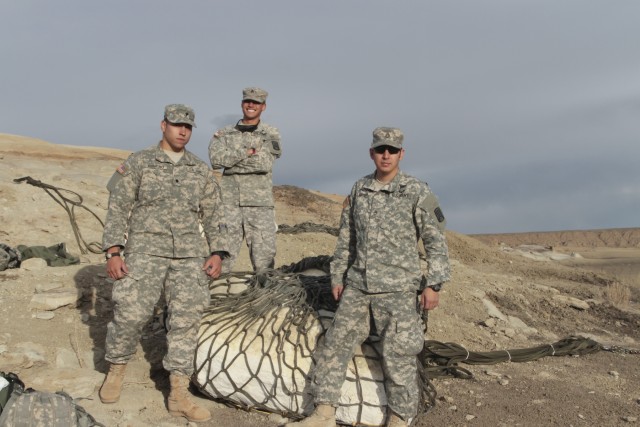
[117, 268]
[429, 299]
[336, 291]
[213, 266]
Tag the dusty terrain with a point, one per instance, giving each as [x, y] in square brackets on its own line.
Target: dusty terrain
[561, 284]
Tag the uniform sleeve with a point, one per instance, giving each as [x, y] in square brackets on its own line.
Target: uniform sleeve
[345, 252]
[433, 240]
[123, 188]
[213, 220]
[226, 150]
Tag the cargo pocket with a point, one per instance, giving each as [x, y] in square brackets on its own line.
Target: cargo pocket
[125, 289]
[406, 335]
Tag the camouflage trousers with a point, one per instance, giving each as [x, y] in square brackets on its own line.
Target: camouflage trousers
[186, 293]
[397, 321]
[256, 224]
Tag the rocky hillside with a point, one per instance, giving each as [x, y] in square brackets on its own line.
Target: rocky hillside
[503, 296]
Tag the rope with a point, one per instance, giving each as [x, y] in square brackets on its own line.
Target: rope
[257, 340]
[620, 350]
[307, 227]
[446, 356]
[69, 206]
[237, 322]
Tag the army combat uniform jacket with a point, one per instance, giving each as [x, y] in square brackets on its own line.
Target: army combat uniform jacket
[246, 179]
[160, 207]
[377, 245]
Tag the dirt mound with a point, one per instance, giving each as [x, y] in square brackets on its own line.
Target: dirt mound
[470, 250]
[610, 238]
[295, 205]
[36, 148]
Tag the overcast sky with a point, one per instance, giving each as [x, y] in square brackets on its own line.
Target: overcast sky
[521, 115]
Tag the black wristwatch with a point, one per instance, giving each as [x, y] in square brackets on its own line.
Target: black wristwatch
[436, 287]
[108, 255]
[221, 254]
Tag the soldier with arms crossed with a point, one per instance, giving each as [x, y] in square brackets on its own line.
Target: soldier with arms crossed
[375, 274]
[159, 198]
[246, 152]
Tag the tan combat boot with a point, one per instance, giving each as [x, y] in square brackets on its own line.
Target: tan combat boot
[112, 385]
[179, 403]
[322, 416]
[394, 420]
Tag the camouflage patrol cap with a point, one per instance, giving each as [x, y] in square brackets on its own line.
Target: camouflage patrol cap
[387, 136]
[255, 94]
[180, 113]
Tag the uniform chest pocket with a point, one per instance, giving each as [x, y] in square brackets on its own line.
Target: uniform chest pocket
[189, 183]
[362, 211]
[396, 218]
[155, 183]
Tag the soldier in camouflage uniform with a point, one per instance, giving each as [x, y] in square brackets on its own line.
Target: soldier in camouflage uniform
[159, 199]
[246, 152]
[376, 273]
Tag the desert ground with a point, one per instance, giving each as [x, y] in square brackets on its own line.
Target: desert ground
[508, 291]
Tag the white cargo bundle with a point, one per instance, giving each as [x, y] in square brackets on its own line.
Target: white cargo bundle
[256, 346]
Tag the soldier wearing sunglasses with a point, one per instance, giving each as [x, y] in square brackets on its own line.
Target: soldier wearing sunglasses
[376, 276]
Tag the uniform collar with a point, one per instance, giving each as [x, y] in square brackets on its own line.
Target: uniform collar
[259, 127]
[398, 182]
[161, 156]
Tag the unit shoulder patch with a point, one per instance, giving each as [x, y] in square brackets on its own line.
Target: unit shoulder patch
[431, 205]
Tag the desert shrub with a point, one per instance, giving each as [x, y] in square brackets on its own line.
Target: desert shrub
[618, 294]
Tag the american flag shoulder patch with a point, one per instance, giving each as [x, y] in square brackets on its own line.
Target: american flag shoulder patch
[121, 169]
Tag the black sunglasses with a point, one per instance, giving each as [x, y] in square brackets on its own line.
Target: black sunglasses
[381, 149]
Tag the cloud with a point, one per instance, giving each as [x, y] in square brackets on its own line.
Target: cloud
[518, 114]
